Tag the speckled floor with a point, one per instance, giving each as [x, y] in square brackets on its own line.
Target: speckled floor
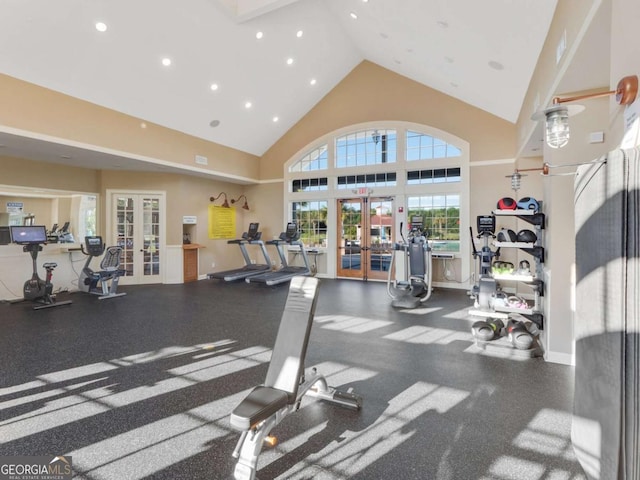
[142, 386]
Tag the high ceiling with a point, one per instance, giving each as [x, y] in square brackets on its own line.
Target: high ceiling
[481, 52]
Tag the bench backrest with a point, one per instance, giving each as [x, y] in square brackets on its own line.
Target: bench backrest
[290, 349]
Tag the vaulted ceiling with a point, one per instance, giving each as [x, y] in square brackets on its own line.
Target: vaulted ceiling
[242, 72]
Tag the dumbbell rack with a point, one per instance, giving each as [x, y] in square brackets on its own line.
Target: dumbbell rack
[536, 249]
[502, 346]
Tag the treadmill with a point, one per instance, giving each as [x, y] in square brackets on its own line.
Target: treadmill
[286, 272]
[250, 237]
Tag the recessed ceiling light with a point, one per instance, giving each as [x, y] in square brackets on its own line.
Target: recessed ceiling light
[275, 119]
[448, 59]
[289, 61]
[454, 84]
[313, 81]
[214, 86]
[247, 105]
[166, 61]
[353, 15]
[442, 23]
[384, 35]
[365, 1]
[299, 33]
[101, 26]
[66, 157]
[397, 61]
[259, 35]
[214, 123]
[496, 65]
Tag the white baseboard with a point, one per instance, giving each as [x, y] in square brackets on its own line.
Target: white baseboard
[561, 358]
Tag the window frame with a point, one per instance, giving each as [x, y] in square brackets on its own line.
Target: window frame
[401, 191]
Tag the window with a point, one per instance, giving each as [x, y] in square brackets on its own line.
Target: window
[366, 147]
[367, 180]
[425, 147]
[441, 214]
[314, 160]
[311, 218]
[438, 175]
[309, 185]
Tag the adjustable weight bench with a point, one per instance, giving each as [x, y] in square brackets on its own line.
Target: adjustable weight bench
[286, 383]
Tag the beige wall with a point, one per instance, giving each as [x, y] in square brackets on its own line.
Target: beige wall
[35, 109]
[372, 93]
[186, 195]
[29, 173]
[40, 207]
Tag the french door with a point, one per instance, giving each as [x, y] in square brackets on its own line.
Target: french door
[365, 237]
[137, 225]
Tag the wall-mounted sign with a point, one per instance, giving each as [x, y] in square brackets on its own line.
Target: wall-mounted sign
[222, 222]
[15, 207]
[189, 219]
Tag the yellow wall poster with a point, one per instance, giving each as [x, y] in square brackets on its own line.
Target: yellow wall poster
[222, 222]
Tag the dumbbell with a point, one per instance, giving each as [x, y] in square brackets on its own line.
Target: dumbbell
[485, 331]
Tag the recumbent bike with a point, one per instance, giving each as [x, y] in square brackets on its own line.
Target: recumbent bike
[104, 282]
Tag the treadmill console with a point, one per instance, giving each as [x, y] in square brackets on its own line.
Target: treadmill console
[291, 234]
[253, 233]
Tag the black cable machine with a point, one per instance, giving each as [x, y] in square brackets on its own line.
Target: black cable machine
[250, 237]
[103, 282]
[32, 238]
[286, 272]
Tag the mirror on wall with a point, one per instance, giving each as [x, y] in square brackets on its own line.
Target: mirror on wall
[68, 216]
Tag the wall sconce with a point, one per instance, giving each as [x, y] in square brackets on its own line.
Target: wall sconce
[516, 176]
[246, 205]
[225, 204]
[557, 116]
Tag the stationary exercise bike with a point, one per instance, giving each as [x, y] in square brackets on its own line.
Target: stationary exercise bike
[32, 237]
[416, 252]
[104, 282]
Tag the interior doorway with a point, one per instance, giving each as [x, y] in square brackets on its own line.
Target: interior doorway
[365, 237]
[137, 224]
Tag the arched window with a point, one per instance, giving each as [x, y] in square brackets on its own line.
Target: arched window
[424, 170]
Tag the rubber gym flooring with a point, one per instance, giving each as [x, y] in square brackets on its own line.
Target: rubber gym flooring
[141, 387]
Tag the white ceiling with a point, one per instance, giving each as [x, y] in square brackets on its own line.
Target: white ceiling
[445, 44]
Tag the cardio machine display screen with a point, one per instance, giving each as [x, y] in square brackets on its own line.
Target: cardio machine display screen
[292, 230]
[29, 234]
[253, 229]
[486, 223]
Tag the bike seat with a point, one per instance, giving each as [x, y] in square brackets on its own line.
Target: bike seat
[50, 265]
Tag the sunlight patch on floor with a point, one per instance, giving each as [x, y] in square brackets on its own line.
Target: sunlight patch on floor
[418, 334]
[351, 324]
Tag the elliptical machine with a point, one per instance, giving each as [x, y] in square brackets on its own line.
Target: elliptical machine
[32, 237]
[415, 288]
[486, 288]
[104, 282]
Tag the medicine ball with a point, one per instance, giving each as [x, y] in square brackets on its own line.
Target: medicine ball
[507, 203]
[528, 203]
[527, 236]
[507, 235]
[524, 267]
